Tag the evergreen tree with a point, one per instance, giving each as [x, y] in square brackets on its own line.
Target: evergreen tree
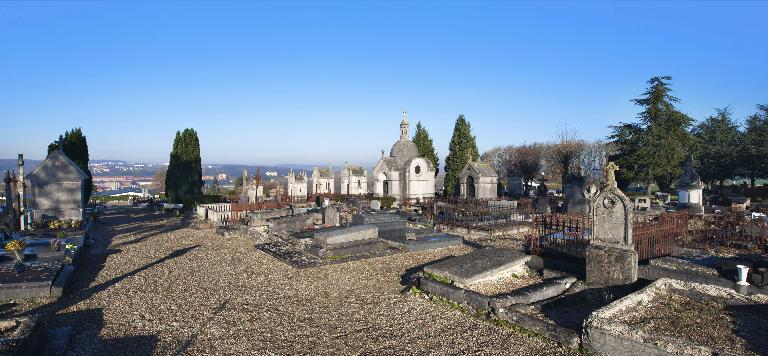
[462, 145]
[754, 149]
[426, 147]
[184, 179]
[74, 144]
[717, 143]
[651, 150]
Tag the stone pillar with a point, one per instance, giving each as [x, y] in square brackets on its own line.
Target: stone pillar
[611, 256]
[22, 203]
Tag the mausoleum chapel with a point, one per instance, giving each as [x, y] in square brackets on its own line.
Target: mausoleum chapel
[478, 180]
[404, 174]
[323, 180]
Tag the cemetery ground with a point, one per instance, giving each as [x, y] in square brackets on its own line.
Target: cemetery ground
[153, 284]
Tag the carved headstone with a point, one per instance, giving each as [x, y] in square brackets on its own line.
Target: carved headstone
[330, 216]
[611, 256]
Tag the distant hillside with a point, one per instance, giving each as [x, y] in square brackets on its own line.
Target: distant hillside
[10, 164]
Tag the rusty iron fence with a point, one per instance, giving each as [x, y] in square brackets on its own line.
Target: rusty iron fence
[567, 235]
[486, 215]
[559, 235]
[734, 231]
[656, 237]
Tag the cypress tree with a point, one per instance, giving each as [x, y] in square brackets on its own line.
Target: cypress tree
[426, 147]
[462, 145]
[75, 146]
[184, 180]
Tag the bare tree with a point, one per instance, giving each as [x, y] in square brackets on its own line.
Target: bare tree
[565, 154]
[158, 181]
[593, 160]
[528, 162]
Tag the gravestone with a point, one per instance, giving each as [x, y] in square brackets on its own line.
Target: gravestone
[375, 205]
[541, 203]
[330, 216]
[575, 195]
[515, 186]
[611, 257]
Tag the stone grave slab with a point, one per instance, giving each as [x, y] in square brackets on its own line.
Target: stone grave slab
[480, 265]
[424, 242]
[346, 235]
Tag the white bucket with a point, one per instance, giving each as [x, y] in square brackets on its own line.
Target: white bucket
[743, 273]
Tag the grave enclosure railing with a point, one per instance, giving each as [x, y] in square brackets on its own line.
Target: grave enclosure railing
[476, 214]
[567, 235]
[559, 235]
[730, 230]
[657, 237]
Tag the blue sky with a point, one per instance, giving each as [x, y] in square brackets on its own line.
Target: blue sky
[312, 82]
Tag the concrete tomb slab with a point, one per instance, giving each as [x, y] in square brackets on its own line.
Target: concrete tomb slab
[346, 235]
[480, 265]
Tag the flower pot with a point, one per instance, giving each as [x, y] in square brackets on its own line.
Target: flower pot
[743, 273]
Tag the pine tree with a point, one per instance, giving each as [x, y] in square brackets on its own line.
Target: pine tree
[184, 179]
[462, 145]
[754, 148]
[75, 146]
[718, 144]
[651, 150]
[426, 147]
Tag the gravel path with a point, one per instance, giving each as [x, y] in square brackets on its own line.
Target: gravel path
[156, 286]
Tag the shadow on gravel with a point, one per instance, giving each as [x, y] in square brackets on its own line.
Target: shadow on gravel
[90, 324]
[407, 277]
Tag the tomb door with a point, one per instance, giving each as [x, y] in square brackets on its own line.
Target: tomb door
[470, 187]
[386, 188]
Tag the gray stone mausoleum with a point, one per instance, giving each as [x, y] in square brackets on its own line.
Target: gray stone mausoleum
[57, 188]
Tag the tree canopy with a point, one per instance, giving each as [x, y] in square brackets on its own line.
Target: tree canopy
[753, 156]
[717, 146]
[426, 147]
[651, 149]
[184, 179]
[462, 146]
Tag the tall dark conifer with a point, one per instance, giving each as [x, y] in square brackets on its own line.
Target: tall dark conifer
[462, 145]
[184, 179]
[426, 147]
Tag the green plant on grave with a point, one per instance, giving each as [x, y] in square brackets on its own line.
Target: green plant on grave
[386, 202]
[438, 278]
[61, 235]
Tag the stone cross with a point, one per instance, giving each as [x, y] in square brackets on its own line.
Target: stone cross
[610, 173]
[382, 153]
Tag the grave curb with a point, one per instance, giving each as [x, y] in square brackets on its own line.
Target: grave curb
[480, 302]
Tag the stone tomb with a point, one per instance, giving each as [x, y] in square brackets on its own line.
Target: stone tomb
[656, 321]
[345, 242]
[480, 265]
[611, 258]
